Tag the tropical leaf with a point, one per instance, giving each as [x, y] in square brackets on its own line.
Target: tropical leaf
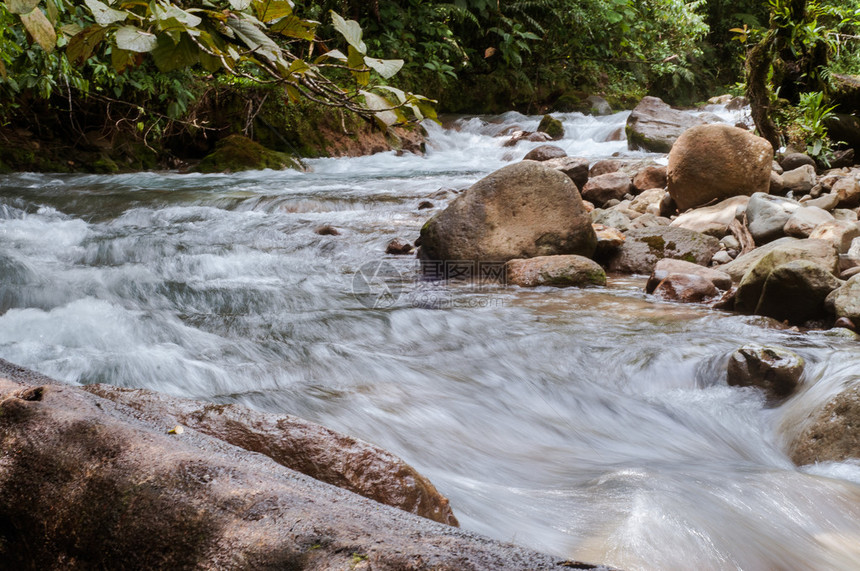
[21, 6]
[41, 29]
[135, 40]
[350, 30]
[170, 56]
[121, 59]
[387, 68]
[382, 108]
[255, 39]
[398, 93]
[295, 27]
[355, 61]
[271, 10]
[333, 54]
[103, 14]
[171, 17]
[240, 5]
[81, 46]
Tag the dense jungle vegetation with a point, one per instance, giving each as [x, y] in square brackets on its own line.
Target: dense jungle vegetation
[164, 74]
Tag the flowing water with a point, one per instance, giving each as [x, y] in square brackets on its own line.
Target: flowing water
[594, 424]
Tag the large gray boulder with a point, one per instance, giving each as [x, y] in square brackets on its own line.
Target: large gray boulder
[709, 163]
[644, 247]
[833, 435]
[782, 251]
[767, 216]
[520, 211]
[654, 126]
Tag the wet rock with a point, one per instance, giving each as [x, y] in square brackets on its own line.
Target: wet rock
[774, 370]
[238, 153]
[665, 267]
[520, 211]
[782, 251]
[552, 127]
[559, 271]
[650, 177]
[574, 167]
[840, 233]
[793, 292]
[845, 300]
[87, 483]
[604, 166]
[303, 446]
[714, 162]
[685, 288]
[654, 126]
[597, 105]
[603, 188]
[398, 247]
[713, 220]
[805, 220]
[833, 435]
[848, 192]
[327, 230]
[767, 215]
[608, 240]
[425, 205]
[644, 247]
[799, 180]
[793, 161]
[648, 201]
[545, 153]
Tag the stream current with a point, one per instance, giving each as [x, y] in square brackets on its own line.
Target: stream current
[594, 424]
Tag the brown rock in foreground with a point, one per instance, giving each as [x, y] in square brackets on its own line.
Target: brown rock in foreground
[303, 446]
[86, 483]
[834, 434]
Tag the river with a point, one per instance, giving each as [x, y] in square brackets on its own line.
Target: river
[590, 423]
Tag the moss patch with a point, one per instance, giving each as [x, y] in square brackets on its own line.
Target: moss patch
[552, 127]
[238, 153]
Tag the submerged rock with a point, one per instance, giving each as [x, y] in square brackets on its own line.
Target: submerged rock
[833, 435]
[520, 211]
[774, 370]
[559, 271]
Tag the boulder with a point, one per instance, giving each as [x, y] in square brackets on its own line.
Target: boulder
[845, 300]
[597, 105]
[667, 266]
[792, 292]
[574, 167]
[848, 191]
[611, 217]
[833, 435]
[520, 211]
[785, 250]
[654, 126]
[644, 247]
[686, 288]
[840, 233]
[714, 162]
[800, 180]
[559, 271]
[805, 220]
[604, 166]
[552, 127]
[648, 201]
[792, 161]
[545, 153]
[714, 220]
[86, 483]
[303, 446]
[767, 215]
[774, 370]
[239, 153]
[653, 176]
[603, 188]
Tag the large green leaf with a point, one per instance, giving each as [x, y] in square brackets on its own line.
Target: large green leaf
[295, 27]
[350, 30]
[121, 59]
[356, 63]
[270, 10]
[382, 107]
[255, 39]
[21, 6]
[170, 56]
[240, 4]
[41, 29]
[81, 46]
[170, 16]
[103, 14]
[135, 40]
[385, 67]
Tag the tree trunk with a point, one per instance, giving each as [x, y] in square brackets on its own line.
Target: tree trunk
[759, 61]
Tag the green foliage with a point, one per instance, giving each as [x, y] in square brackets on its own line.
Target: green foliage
[813, 115]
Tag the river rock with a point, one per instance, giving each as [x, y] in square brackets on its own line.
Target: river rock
[840, 233]
[826, 202]
[845, 300]
[714, 162]
[398, 247]
[552, 127]
[805, 220]
[611, 217]
[644, 247]
[604, 166]
[654, 126]
[653, 176]
[520, 211]
[608, 240]
[545, 153]
[685, 288]
[86, 483]
[574, 167]
[303, 446]
[785, 250]
[648, 201]
[833, 435]
[236, 153]
[848, 191]
[793, 161]
[767, 215]
[799, 180]
[598, 105]
[793, 292]
[667, 266]
[714, 220]
[603, 188]
[774, 370]
[559, 271]
[777, 187]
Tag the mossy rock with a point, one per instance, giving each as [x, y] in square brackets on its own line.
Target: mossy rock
[238, 153]
[104, 165]
[552, 127]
